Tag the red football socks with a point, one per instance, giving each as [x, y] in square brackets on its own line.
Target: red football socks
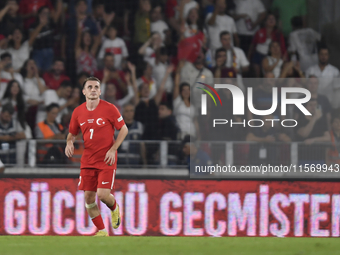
[113, 207]
[98, 222]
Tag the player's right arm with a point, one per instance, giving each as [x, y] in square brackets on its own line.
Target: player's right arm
[73, 131]
[69, 150]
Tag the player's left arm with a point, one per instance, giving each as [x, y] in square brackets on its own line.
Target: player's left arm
[110, 156]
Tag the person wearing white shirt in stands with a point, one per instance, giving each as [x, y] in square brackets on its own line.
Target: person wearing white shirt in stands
[248, 15]
[326, 73]
[236, 58]
[60, 97]
[160, 68]
[148, 79]
[149, 48]
[303, 41]
[18, 48]
[217, 22]
[192, 73]
[116, 46]
[7, 73]
[157, 24]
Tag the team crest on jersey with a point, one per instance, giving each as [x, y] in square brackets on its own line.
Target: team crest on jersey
[100, 121]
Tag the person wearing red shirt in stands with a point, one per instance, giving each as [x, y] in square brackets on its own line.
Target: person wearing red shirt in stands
[97, 120]
[56, 76]
[29, 9]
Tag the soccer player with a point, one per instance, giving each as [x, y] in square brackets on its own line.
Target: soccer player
[97, 120]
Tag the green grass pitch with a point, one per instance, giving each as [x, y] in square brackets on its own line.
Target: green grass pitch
[58, 245]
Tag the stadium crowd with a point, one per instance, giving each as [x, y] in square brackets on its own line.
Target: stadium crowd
[149, 55]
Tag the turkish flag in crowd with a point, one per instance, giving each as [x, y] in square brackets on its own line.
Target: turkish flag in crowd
[189, 48]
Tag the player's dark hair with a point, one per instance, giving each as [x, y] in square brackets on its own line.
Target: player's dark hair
[90, 79]
[8, 108]
[5, 55]
[224, 33]
[51, 106]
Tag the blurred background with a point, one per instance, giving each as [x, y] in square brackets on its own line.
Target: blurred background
[149, 55]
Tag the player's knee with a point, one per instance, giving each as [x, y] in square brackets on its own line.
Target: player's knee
[90, 198]
[102, 196]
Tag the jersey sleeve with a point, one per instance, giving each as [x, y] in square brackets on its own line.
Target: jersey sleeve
[116, 118]
[74, 125]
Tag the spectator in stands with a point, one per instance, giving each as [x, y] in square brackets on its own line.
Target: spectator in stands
[29, 10]
[112, 75]
[148, 80]
[18, 48]
[132, 153]
[80, 80]
[9, 18]
[10, 132]
[292, 69]
[322, 101]
[286, 11]
[220, 70]
[72, 24]
[189, 19]
[158, 25]
[150, 47]
[167, 126]
[61, 97]
[195, 156]
[191, 73]
[217, 22]
[34, 86]
[147, 109]
[333, 154]
[116, 46]
[102, 18]
[261, 41]
[42, 39]
[14, 95]
[159, 70]
[236, 59]
[7, 73]
[86, 50]
[273, 62]
[326, 74]
[184, 110]
[303, 44]
[248, 15]
[56, 76]
[111, 91]
[50, 128]
[312, 129]
[142, 22]
[263, 96]
[265, 151]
